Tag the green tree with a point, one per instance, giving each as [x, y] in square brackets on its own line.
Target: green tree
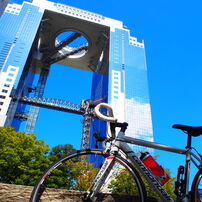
[60, 177]
[83, 174]
[76, 174]
[60, 150]
[124, 184]
[22, 157]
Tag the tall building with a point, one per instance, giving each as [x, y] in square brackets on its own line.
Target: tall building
[36, 34]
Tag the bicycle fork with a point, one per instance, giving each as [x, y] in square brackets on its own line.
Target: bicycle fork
[101, 177]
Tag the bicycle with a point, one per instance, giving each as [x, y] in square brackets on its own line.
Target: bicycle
[94, 181]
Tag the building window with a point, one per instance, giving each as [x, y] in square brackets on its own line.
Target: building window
[116, 73]
[2, 96]
[6, 85]
[1, 103]
[116, 97]
[10, 74]
[4, 91]
[9, 80]
[116, 87]
[116, 82]
[116, 92]
[116, 77]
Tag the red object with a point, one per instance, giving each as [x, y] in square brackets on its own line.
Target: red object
[154, 167]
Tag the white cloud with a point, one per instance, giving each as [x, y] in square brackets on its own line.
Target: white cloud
[138, 116]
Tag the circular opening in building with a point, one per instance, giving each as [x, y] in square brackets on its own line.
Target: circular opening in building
[74, 44]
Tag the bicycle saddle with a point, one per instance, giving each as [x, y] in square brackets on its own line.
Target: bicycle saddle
[191, 130]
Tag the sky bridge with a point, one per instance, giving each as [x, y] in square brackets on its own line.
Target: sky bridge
[52, 103]
[60, 105]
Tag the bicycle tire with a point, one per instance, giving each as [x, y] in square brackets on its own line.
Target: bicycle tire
[196, 190]
[69, 162]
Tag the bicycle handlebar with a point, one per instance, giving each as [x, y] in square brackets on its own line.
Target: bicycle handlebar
[101, 116]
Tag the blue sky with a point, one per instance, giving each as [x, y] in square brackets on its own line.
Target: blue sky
[172, 32]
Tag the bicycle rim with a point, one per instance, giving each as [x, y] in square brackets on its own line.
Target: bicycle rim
[197, 187]
[70, 179]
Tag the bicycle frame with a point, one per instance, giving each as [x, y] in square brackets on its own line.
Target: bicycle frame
[121, 143]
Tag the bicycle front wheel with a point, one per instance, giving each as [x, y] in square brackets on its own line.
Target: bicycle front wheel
[196, 191]
[72, 178]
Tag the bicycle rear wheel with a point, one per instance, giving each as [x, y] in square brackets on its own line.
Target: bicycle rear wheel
[196, 191]
[71, 179]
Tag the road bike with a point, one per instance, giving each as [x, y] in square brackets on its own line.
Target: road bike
[92, 173]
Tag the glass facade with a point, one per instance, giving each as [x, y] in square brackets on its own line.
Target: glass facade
[18, 28]
[127, 89]
[128, 86]
[99, 90]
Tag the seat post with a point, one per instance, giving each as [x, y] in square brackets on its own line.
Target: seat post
[189, 138]
[187, 165]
